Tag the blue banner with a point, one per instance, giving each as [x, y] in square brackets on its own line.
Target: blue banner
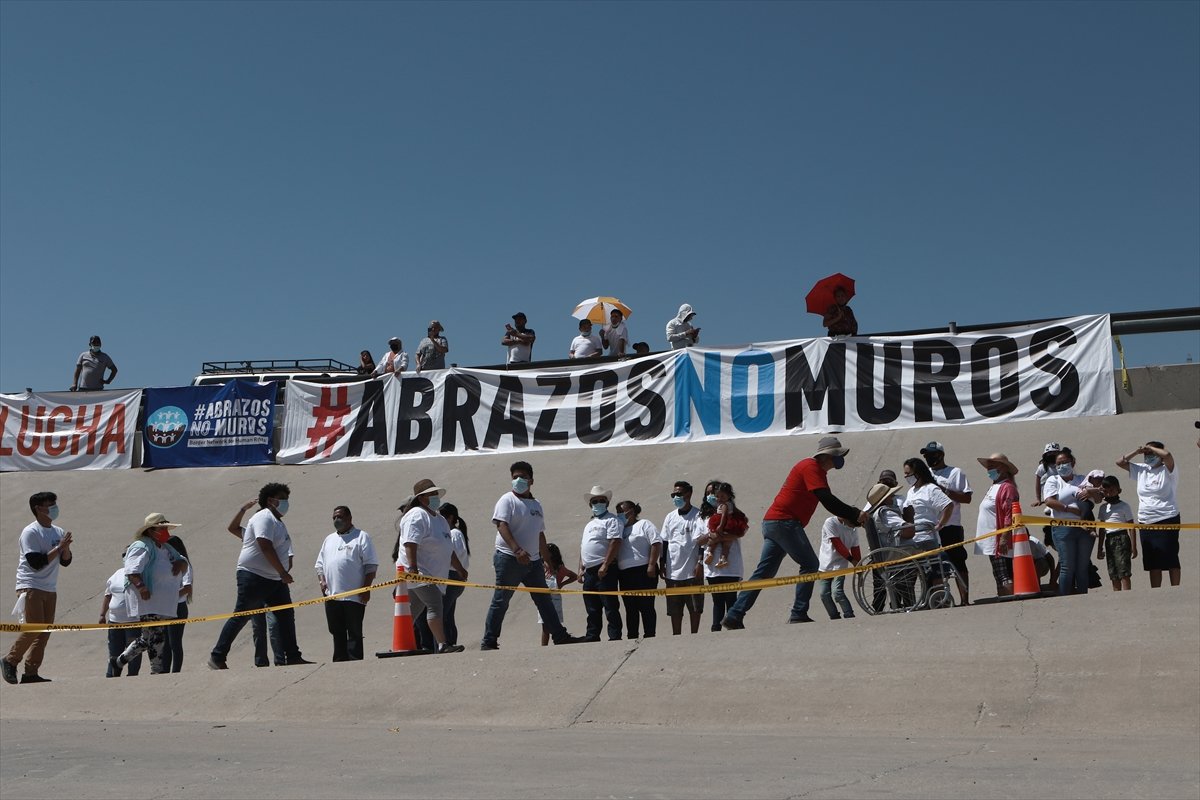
[209, 426]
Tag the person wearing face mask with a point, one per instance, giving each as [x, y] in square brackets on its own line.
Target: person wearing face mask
[394, 361]
[346, 561]
[44, 547]
[783, 528]
[90, 368]
[520, 548]
[952, 481]
[153, 576]
[683, 530]
[1157, 482]
[431, 352]
[637, 568]
[262, 578]
[995, 512]
[1118, 548]
[1064, 495]
[598, 552]
[427, 549]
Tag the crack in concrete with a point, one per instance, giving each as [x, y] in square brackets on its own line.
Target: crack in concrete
[612, 674]
[1037, 669]
[876, 776]
[280, 690]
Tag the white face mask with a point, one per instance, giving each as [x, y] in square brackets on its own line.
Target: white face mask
[435, 502]
[281, 507]
[911, 480]
[52, 512]
[599, 509]
[520, 485]
[1152, 460]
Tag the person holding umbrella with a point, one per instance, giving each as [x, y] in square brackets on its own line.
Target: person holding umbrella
[839, 319]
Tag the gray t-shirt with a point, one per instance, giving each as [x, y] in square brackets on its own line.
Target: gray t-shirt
[428, 356]
[92, 366]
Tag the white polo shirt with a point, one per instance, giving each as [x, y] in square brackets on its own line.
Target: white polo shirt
[585, 346]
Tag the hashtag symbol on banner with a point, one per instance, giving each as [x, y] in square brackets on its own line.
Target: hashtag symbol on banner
[200, 411]
[327, 426]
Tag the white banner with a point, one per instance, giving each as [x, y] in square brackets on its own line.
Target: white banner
[68, 430]
[806, 386]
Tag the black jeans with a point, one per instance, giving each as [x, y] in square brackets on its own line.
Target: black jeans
[722, 601]
[255, 592]
[173, 660]
[596, 606]
[345, 621]
[449, 601]
[639, 611]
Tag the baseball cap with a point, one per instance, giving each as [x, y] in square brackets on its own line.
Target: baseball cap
[933, 447]
[1052, 447]
[519, 315]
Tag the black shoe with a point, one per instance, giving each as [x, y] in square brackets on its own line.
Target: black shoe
[591, 638]
[291, 662]
[569, 639]
[489, 645]
[732, 623]
[213, 663]
[28, 678]
[451, 648]
[795, 620]
[9, 670]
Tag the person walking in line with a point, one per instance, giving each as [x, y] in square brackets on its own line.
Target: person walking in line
[264, 630]
[520, 548]
[426, 549]
[346, 561]
[42, 549]
[783, 527]
[683, 530]
[153, 576]
[262, 577]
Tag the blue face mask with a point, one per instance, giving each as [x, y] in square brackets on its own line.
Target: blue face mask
[839, 462]
[1065, 470]
[52, 512]
[993, 474]
[679, 502]
[1152, 460]
[282, 507]
[599, 509]
[435, 502]
[520, 485]
[711, 499]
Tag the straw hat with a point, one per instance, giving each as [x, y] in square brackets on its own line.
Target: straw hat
[1002, 460]
[879, 494]
[599, 491]
[426, 486]
[155, 520]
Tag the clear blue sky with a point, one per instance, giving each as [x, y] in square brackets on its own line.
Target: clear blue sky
[201, 181]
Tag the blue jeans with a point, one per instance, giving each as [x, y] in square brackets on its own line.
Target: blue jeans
[598, 605]
[1074, 546]
[833, 594]
[781, 537]
[511, 572]
[254, 592]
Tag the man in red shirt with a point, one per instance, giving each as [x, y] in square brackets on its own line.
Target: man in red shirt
[783, 528]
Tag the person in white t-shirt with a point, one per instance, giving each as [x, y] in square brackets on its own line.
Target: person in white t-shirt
[1157, 482]
[427, 549]
[637, 569]
[615, 335]
[519, 340]
[153, 574]
[44, 547]
[598, 549]
[683, 530]
[113, 611]
[726, 527]
[1065, 493]
[520, 548]
[839, 550]
[929, 510]
[953, 482]
[586, 344]
[1117, 547]
[346, 561]
[263, 576]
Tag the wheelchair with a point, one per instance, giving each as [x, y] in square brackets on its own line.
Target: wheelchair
[912, 585]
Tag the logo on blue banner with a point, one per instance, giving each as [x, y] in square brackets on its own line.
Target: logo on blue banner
[209, 426]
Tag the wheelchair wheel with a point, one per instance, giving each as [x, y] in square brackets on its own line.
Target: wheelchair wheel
[939, 597]
[892, 589]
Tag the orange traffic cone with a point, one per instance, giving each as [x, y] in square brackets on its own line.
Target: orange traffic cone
[1025, 578]
[404, 643]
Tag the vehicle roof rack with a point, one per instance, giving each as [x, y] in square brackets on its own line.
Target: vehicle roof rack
[254, 367]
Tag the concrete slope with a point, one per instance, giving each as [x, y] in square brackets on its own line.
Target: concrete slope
[1046, 665]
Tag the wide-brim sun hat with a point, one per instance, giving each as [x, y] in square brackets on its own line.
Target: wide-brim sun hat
[426, 486]
[830, 446]
[156, 520]
[599, 491]
[879, 494]
[1002, 460]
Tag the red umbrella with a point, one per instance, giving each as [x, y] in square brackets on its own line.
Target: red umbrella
[820, 297]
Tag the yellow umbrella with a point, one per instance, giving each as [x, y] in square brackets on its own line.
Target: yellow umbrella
[597, 309]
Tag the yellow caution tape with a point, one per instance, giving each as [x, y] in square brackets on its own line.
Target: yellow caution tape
[1088, 523]
[765, 583]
